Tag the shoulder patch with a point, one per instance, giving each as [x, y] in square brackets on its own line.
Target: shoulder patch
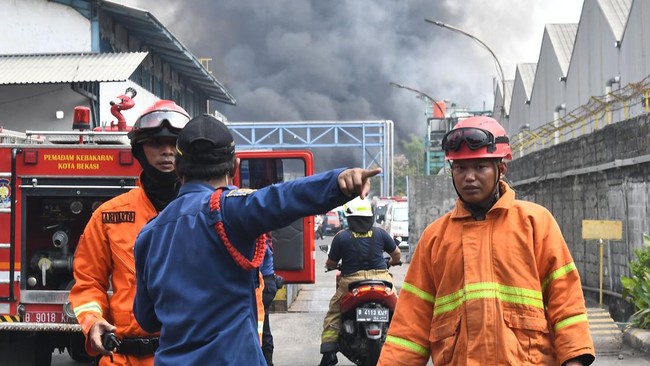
[240, 192]
[116, 217]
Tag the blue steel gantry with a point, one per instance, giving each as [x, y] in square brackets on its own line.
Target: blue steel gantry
[373, 139]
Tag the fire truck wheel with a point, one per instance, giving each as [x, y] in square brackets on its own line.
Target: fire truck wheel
[76, 348]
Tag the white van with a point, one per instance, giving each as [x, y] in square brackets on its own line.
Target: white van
[397, 222]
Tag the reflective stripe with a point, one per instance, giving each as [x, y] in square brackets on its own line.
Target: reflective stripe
[582, 318]
[91, 306]
[558, 273]
[417, 292]
[329, 335]
[411, 346]
[488, 290]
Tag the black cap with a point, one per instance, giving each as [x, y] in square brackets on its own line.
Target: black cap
[205, 139]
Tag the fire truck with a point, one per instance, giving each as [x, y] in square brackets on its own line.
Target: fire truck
[50, 183]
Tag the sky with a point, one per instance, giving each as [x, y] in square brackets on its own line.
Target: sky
[299, 60]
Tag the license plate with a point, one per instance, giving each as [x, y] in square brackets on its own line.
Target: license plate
[47, 317]
[372, 315]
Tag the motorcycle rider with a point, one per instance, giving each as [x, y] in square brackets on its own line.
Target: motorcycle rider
[104, 256]
[492, 281]
[360, 249]
[318, 226]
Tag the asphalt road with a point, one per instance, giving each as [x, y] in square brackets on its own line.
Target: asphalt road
[297, 332]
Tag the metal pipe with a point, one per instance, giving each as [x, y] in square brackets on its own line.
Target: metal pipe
[606, 292]
[556, 122]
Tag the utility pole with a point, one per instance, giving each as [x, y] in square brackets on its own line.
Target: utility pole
[433, 156]
[501, 108]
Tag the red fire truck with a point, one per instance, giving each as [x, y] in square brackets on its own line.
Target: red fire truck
[50, 183]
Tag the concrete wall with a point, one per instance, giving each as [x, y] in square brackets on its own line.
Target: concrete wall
[37, 26]
[600, 176]
[34, 106]
[429, 198]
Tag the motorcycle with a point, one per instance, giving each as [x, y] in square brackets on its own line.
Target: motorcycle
[366, 311]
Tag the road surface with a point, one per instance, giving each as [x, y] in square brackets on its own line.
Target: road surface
[297, 332]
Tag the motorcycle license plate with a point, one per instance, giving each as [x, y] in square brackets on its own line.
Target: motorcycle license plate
[372, 315]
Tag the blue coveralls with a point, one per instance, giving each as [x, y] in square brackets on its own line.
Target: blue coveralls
[190, 288]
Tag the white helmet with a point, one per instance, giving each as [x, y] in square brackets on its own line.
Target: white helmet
[358, 207]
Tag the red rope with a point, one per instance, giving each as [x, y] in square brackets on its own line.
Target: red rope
[260, 242]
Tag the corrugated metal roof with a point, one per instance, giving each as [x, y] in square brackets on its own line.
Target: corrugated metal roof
[616, 12]
[527, 73]
[563, 37]
[153, 34]
[68, 68]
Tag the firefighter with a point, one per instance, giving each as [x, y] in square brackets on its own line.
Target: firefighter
[360, 248]
[104, 257]
[491, 282]
[272, 283]
[197, 286]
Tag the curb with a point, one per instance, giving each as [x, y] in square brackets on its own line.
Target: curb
[637, 338]
[284, 298]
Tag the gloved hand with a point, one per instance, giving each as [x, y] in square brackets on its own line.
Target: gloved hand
[279, 281]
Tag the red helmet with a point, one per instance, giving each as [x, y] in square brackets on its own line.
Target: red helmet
[163, 119]
[477, 138]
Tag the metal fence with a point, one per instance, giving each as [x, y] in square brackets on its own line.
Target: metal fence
[619, 105]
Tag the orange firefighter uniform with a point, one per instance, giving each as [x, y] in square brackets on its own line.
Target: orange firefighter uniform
[502, 291]
[259, 290]
[105, 253]
[103, 260]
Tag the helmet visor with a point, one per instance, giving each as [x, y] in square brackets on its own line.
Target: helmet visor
[474, 138]
[155, 119]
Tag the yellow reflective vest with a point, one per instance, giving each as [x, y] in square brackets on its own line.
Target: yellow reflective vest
[502, 291]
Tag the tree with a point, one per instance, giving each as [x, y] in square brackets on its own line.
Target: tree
[414, 150]
[410, 164]
[400, 171]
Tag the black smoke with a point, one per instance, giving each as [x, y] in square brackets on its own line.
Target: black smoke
[292, 60]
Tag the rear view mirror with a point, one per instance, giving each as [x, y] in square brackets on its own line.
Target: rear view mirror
[324, 248]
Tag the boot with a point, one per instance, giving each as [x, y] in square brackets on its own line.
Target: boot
[329, 359]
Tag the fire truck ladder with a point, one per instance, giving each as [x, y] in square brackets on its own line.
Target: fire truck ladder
[12, 137]
[11, 247]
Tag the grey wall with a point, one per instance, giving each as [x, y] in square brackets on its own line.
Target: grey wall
[34, 106]
[429, 198]
[600, 176]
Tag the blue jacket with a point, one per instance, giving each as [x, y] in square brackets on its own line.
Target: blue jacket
[267, 265]
[190, 288]
[362, 253]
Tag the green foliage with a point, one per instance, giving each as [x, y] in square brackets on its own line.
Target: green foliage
[409, 164]
[636, 289]
[414, 150]
[400, 171]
